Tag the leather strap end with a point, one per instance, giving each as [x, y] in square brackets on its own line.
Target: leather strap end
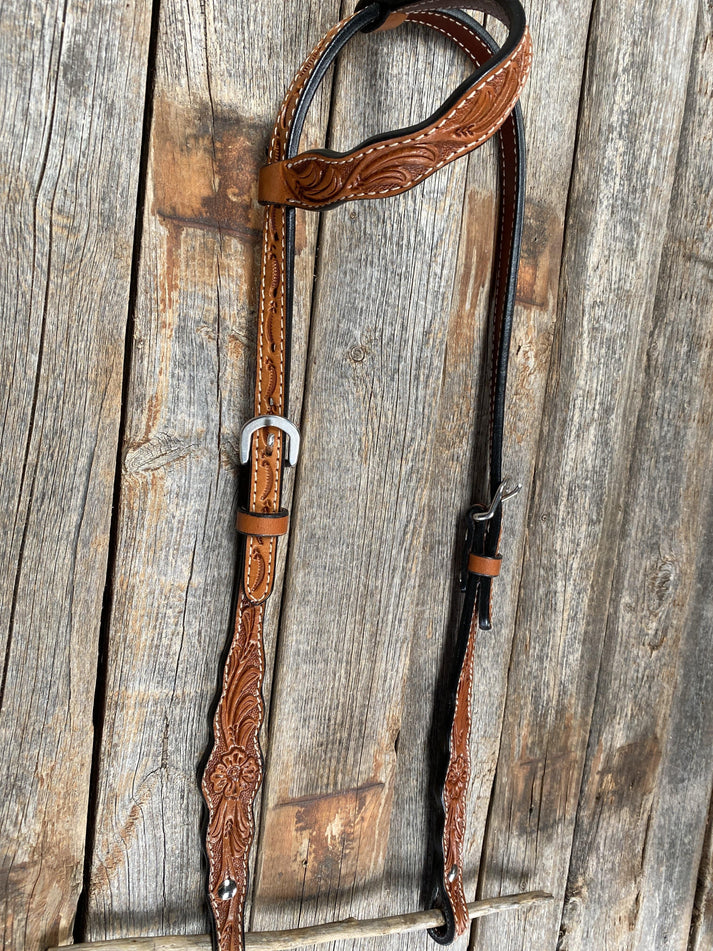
[271, 186]
[262, 524]
[487, 567]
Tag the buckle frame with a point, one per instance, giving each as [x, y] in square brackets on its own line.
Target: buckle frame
[278, 422]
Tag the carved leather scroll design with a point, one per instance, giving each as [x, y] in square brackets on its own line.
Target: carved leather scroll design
[234, 770]
[233, 775]
[455, 788]
[266, 468]
[266, 460]
[313, 180]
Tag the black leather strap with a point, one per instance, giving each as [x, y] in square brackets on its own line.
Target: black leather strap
[482, 537]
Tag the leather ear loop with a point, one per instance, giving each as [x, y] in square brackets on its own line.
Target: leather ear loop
[322, 178]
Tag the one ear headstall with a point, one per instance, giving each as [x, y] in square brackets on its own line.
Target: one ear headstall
[485, 104]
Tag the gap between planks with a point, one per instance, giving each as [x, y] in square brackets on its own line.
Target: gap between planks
[320, 934]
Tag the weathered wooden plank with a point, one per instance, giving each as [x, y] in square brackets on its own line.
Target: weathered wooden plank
[221, 71]
[648, 773]
[616, 222]
[72, 88]
[550, 125]
[701, 936]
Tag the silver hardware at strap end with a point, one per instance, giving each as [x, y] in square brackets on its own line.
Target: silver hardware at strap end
[506, 490]
[278, 422]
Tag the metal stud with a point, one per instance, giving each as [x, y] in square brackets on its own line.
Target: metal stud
[452, 873]
[227, 889]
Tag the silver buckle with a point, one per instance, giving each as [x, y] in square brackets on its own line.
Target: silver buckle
[278, 422]
[506, 490]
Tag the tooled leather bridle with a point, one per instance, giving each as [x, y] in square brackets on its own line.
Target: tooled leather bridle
[485, 104]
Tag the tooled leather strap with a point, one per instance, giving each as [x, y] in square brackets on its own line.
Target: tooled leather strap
[389, 164]
[485, 103]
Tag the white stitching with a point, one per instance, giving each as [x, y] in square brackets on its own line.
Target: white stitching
[242, 607]
[468, 671]
[283, 120]
[302, 73]
[441, 29]
[431, 129]
[280, 396]
[255, 453]
[433, 168]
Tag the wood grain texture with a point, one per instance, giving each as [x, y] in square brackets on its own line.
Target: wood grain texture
[701, 934]
[190, 389]
[615, 227]
[323, 934]
[592, 733]
[72, 86]
[652, 726]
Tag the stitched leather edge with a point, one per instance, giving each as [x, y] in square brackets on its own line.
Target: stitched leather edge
[234, 772]
[455, 788]
[313, 180]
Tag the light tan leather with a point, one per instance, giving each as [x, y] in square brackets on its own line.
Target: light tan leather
[266, 460]
[455, 788]
[252, 523]
[233, 773]
[480, 565]
[234, 770]
[391, 22]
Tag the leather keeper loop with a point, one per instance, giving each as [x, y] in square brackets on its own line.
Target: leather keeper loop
[262, 523]
[271, 187]
[487, 567]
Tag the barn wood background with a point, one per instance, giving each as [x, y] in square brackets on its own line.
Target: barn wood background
[129, 147]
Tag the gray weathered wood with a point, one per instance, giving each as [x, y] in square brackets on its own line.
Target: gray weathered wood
[701, 937]
[592, 692]
[616, 222]
[72, 81]
[633, 871]
[221, 72]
